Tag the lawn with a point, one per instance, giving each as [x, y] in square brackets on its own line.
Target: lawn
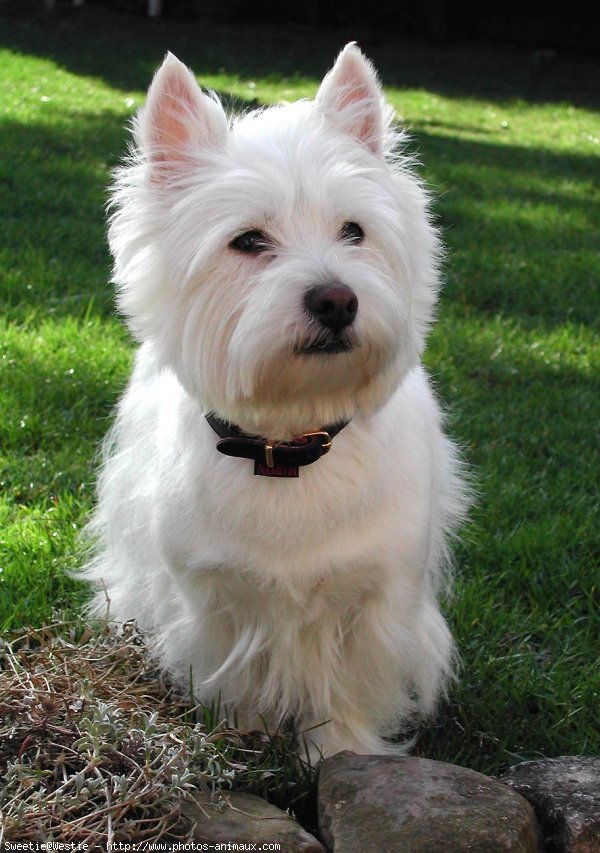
[510, 144]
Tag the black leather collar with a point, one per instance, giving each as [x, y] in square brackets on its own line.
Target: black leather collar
[273, 458]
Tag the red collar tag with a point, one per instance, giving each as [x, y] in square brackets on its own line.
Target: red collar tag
[262, 470]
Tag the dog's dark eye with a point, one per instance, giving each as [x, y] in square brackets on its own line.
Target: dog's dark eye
[352, 232]
[251, 242]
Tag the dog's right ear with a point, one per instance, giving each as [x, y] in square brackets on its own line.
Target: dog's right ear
[351, 98]
[178, 120]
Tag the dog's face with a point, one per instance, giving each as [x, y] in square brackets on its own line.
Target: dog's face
[283, 265]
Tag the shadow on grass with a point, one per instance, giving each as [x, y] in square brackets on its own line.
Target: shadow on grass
[125, 50]
[521, 225]
[55, 402]
[54, 187]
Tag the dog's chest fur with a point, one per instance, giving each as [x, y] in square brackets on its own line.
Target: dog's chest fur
[367, 500]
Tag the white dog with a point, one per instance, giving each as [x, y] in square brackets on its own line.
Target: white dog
[277, 493]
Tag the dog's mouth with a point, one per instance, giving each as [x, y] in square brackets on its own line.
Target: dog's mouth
[330, 345]
[329, 348]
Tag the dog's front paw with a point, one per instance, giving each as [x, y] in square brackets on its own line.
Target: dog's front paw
[326, 740]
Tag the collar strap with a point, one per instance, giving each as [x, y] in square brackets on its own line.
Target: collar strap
[269, 454]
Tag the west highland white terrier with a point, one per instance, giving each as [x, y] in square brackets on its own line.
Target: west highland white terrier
[277, 492]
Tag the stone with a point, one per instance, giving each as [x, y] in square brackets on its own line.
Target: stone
[246, 819]
[397, 804]
[565, 793]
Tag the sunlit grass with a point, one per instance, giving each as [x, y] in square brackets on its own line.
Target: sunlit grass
[515, 353]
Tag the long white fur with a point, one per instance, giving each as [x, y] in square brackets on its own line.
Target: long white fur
[314, 596]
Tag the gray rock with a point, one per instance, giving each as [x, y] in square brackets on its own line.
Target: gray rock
[565, 793]
[381, 804]
[247, 819]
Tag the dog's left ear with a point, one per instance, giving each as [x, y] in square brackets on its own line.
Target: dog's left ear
[351, 98]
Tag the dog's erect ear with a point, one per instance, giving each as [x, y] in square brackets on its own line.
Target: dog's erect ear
[351, 98]
[178, 120]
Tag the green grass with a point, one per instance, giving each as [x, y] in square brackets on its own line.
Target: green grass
[512, 150]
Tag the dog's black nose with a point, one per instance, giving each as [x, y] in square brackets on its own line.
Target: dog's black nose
[333, 305]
